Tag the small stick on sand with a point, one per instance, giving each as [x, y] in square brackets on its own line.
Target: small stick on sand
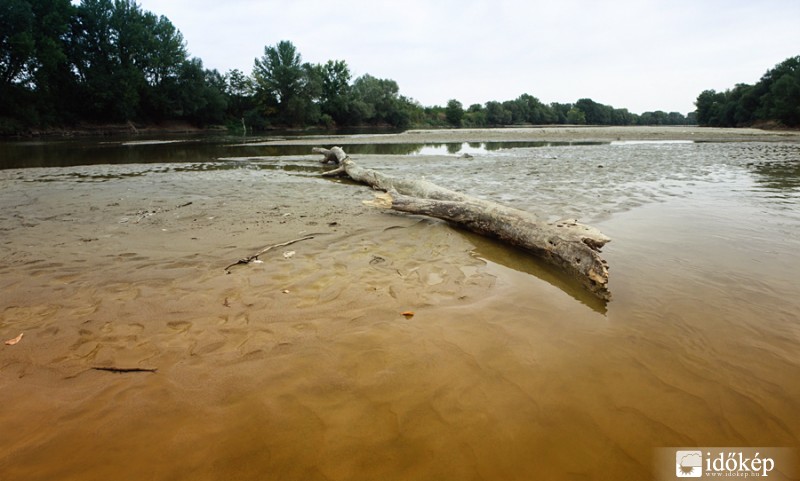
[126, 369]
[253, 257]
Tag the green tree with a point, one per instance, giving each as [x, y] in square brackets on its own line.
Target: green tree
[709, 106]
[50, 68]
[595, 113]
[560, 112]
[239, 93]
[336, 97]
[533, 111]
[36, 79]
[781, 100]
[475, 116]
[199, 97]
[17, 47]
[775, 98]
[454, 112]
[576, 116]
[497, 114]
[622, 117]
[17, 42]
[283, 81]
[378, 101]
[108, 39]
[161, 63]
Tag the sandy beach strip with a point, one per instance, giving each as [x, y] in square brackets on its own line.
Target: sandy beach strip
[573, 133]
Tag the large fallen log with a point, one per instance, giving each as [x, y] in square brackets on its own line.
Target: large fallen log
[571, 246]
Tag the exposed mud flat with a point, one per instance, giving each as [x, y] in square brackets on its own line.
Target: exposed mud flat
[303, 366]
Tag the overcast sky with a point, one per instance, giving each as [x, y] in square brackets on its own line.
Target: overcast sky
[643, 55]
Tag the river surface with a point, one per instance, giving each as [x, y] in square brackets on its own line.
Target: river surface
[112, 254]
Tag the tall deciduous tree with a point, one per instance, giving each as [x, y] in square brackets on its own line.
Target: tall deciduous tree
[497, 114]
[454, 112]
[17, 42]
[35, 75]
[281, 79]
[240, 90]
[336, 98]
[129, 61]
[781, 101]
[50, 69]
[378, 101]
[775, 98]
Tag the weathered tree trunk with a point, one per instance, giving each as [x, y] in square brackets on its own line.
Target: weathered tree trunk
[567, 244]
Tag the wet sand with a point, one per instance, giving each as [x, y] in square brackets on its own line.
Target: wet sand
[303, 367]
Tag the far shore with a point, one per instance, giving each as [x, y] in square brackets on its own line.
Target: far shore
[560, 133]
[544, 133]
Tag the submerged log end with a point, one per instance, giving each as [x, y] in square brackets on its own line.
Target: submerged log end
[579, 260]
[590, 236]
[598, 281]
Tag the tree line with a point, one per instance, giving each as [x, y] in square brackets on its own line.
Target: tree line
[108, 61]
[527, 109]
[774, 99]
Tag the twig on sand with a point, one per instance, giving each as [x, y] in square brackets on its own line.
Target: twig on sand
[254, 257]
[126, 369]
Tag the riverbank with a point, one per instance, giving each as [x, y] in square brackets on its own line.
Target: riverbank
[553, 133]
[574, 133]
[108, 129]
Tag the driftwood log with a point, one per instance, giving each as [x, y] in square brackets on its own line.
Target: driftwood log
[567, 244]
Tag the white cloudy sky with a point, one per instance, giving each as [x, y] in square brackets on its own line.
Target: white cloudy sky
[636, 54]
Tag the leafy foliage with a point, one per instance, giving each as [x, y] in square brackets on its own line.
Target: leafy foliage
[98, 61]
[774, 99]
[454, 112]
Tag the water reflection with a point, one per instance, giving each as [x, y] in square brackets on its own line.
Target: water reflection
[521, 261]
[477, 148]
[127, 151]
[67, 153]
[650, 142]
[778, 176]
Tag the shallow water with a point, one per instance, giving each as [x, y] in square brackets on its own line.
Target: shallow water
[303, 368]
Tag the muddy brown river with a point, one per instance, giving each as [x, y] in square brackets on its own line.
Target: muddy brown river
[302, 367]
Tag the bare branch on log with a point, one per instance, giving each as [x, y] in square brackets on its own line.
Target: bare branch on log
[334, 155]
[571, 246]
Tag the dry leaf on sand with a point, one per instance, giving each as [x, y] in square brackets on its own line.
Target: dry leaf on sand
[11, 342]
